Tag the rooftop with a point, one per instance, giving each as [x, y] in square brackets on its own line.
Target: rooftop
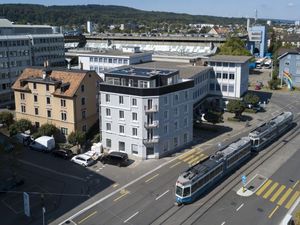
[106, 52]
[7, 23]
[229, 58]
[141, 71]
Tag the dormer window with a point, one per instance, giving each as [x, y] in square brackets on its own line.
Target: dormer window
[82, 88]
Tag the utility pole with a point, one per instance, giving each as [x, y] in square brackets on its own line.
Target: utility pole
[43, 207]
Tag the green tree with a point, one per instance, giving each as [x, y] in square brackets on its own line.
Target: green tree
[274, 83]
[234, 46]
[6, 118]
[48, 130]
[237, 107]
[21, 125]
[213, 117]
[76, 138]
[251, 99]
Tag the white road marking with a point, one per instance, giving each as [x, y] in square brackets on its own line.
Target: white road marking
[125, 221]
[223, 223]
[240, 207]
[162, 194]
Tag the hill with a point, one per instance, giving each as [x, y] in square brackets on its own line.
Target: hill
[102, 14]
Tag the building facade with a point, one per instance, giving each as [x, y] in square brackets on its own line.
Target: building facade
[64, 98]
[22, 46]
[145, 112]
[258, 40]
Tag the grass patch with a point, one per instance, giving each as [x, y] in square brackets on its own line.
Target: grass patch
[233, 119]
[250, 111]
[297, 218]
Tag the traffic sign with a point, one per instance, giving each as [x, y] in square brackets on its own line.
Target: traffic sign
[26, 204]
[244, 179]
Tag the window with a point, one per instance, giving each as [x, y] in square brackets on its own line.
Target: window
[63, 116]
[175, 125]
[121, 129]
[108, 126]
[64, 130]
[218, 88]
[108, 143]
[166, 129]
[231, 76]
[134, 149]
[218, 75]
[186, 95]
[166, 114]
[121, 114]
[134, 116]
[219, 64]
[231, 64]
[83, 114]
[176, 98]
[49, 113]
[121, 146]
[185, 138]
[83, 128]
[225, 75]
[47, 87]
[134, 102]
[231, 88]
[37, 124]
[83, 101]
[63, 102]
[108, 112]
[186, 108]
[176, 111]
[224, 87]
[34, 85]
[185, 122]
[36, 111]
[48, 100]
[165, 147]
[134, 131]
[121, 100]
[107, 98]
[23, 108]
[82, 88]
[22, 95]
[175, 141]
[166, 100]
[35, 98]
[212, 86]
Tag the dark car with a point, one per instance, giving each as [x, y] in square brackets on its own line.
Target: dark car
[115, 158]
[63, 153]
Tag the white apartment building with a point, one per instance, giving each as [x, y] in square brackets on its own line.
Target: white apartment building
[146, 112]
[22, 46]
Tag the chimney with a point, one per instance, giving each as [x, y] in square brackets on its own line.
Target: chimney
[81, 65]
[44, 74]
[45, 64]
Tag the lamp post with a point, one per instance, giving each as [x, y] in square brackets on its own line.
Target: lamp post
[43, 207]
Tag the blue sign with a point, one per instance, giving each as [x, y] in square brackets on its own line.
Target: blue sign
[26, 204]
[244, 179]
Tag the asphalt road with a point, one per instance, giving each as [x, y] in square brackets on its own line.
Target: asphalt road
[150, 198]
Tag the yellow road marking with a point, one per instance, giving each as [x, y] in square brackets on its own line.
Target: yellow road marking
[188, 158]
[199, 160]
[175, 165]
[294, 186]
[196, 158]
[121, 196]
[267, 194]
[187, 154]
[151, 178]
[262, 188]
[85, 218]
[274, 210]
[292, 200]
[277, 193]
[284, 197]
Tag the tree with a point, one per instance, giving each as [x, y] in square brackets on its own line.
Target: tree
[76, 138]
[48, 130]
[213, 117]
[251, 99]
[234, 46]
[21, 125]
[274, 83]
[237, 107]
[6, 118]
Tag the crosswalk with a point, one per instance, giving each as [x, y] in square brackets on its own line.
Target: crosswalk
[193, 157]
[279, 194]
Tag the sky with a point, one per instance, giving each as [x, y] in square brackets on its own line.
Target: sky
[273, 9]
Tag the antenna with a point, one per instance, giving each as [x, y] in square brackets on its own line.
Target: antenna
[256, 15]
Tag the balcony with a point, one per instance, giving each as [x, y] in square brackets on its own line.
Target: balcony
[153, 124]
[152, 109]
[149, 141]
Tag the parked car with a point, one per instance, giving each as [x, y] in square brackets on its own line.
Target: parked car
[23, 138]
[83, 160]
[63, 153]
[43, 144]
[115, 158]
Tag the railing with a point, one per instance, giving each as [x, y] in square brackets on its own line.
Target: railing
[154, 140]
[154, 124]
[148, 109]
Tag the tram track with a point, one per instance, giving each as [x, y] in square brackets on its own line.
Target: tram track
[192, 212]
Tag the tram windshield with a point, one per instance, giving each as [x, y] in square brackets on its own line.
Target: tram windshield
[178, 191]
[186, 191]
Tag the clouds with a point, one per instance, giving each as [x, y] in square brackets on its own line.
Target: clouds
[291, 4]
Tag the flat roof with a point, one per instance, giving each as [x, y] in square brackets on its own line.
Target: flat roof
[229, 58]
[108, 52]
[143, 72]
[186, 70]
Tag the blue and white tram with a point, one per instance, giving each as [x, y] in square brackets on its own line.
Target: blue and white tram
[270, 130]
[199, 178]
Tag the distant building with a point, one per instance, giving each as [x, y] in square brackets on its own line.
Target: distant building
[289, 66]
[65, 98]
[257, 43]
[22, 46]
[291, 39]
[218, 31]
[89, 27]
[297, 23]
[145, 112]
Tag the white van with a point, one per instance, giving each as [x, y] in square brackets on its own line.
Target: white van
[44, 143]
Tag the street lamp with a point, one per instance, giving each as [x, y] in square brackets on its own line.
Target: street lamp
[43, 207]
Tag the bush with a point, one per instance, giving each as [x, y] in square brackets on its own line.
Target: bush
[13, 130]
[23, 125]
[76, 138]
[236, 106]
[96, 138]
[251, 99]
[48, 130]
[274, 83]
[6, 118]
[250, 110]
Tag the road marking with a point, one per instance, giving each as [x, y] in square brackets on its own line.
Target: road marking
[115, 185]
[162, 194]
[294, 186]
[284, 197]
[184, 155]
[125, 221]
[199, 160]
[277, 193]
[188, 158]
[151, 178]
[196, 158]
[240, 207]
[274, 210]
[223, 223]
[175, 165]
[261, 190]
[87, 217]
[292, 200]
[269, 192]
[123, 193]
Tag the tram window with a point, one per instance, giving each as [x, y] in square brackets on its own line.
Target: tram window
[178, 190]
[186, 191]
[256, 142]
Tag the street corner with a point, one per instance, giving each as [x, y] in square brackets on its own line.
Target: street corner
[244, 192]
[251, 186]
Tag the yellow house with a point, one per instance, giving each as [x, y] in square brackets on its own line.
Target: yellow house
[65, 98]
